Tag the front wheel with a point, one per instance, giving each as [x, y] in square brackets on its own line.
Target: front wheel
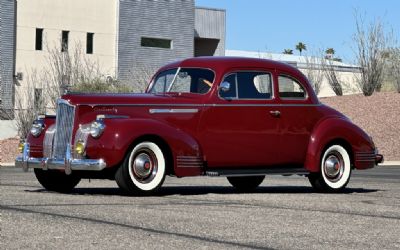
[143, 170]
[335, 170]
[55, 180]
[246, 183]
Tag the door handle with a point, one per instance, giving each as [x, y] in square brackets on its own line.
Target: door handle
[275, 113]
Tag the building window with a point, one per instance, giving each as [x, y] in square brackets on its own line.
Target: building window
[64, 41]
[89, 43]
[156, 43]
[39, 39]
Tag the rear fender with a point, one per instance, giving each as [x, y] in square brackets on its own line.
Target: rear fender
[336, 130]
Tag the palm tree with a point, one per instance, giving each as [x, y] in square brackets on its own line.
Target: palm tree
[300, 47]
[330, 51]
[288, 52]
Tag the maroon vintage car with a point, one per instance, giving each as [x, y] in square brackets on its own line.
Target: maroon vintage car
[213, 116]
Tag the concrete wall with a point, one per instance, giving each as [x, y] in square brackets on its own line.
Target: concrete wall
[345, 77]
[167, 19]
[7, 55]
[210, 25]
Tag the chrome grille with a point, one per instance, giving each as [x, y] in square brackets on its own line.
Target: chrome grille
[64, 126]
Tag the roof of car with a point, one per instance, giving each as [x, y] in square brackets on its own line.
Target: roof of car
[225, 63]
[230, 62]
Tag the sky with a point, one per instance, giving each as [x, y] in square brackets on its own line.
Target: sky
[272, 26]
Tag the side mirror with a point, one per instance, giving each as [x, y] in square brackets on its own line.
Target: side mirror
[224, 86]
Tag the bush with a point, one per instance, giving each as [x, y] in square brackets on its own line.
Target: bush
[98, 85]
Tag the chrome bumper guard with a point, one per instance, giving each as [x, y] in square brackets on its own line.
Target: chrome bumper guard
[67, 164]
[378, 159]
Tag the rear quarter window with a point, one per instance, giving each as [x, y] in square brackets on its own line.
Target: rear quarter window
[290, 88]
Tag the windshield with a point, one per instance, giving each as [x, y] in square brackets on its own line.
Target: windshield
[183, 80]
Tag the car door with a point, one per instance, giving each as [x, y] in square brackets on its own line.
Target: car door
[298, 117]
[240, 128]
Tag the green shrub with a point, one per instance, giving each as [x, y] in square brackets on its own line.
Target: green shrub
[99, 85]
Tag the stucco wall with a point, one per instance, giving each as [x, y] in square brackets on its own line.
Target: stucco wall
[346, 78]
[76, 16]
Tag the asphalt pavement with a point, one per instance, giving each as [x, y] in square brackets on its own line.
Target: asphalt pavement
[202, 213]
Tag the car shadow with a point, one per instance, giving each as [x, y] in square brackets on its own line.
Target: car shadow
[203, 190]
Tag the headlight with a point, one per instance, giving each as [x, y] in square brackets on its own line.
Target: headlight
[96, 128]
[37, 127]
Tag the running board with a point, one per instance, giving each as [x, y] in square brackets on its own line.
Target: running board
[255, 172]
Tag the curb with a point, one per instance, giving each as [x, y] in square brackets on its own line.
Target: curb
[7, 164]
[384, 164]
[390, 163]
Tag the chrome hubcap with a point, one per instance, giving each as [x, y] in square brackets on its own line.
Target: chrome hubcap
[144, 166]
[333, 167]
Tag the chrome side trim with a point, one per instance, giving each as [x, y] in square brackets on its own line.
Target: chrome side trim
[201, 105]
[106, 116]
[67, 164]
[365, 156]
[256, 172]
[175, 111]
[262, 105]
[189, 162]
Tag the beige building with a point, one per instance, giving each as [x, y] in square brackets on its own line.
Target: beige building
[44, 25]
[118, 36]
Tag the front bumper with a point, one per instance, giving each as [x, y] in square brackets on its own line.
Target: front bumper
[67, 164]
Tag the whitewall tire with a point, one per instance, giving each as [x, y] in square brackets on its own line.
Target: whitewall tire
[143, 170]
[335, 170]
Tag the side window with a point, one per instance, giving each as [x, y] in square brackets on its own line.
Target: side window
[289, 88]
[248, 85]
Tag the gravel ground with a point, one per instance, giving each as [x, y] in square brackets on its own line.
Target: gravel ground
[378, 115]
[8, 150]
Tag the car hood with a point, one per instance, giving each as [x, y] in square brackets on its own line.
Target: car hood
[126, 99]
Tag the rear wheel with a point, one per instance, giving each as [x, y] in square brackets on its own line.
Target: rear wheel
[55, 180]
[335, 170]
[143, 170]
[246, 183]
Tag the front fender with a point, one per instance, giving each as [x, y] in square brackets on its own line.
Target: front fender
[120, 134]
[36, 143]
[340, 130]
